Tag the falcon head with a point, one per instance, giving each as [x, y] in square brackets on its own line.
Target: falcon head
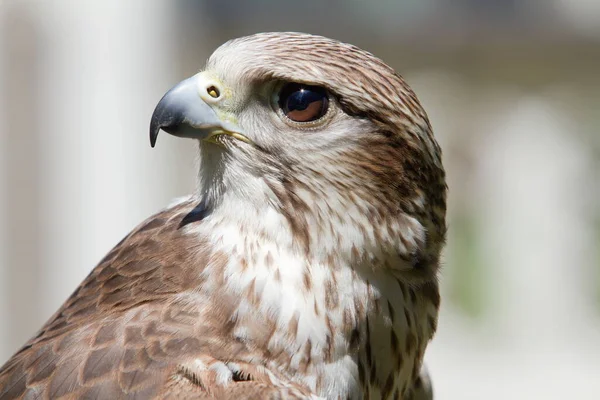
[322, 133]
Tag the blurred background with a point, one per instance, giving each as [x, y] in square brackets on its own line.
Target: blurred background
[512, 88]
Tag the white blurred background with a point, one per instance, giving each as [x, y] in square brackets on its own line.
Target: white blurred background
[513, 91]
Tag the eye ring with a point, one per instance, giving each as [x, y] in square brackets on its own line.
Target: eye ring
[302, 103]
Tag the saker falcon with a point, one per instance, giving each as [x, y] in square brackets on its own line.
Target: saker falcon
[306, 264]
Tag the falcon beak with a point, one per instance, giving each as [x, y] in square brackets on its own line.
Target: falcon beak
[182, 112]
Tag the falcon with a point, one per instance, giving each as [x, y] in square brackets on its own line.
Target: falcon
[305, 265]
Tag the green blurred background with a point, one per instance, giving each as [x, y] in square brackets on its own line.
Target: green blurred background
[513, 92]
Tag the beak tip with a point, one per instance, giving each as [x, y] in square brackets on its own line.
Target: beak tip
[153, 136]
[155, 127]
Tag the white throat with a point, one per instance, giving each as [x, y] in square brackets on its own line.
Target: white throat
[309, 306]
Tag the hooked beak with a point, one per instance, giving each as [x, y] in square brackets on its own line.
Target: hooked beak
[182, 112]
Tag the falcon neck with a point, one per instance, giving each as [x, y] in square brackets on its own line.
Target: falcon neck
[324, 316]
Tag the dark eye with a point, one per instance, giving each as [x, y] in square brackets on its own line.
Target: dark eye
[303, 103]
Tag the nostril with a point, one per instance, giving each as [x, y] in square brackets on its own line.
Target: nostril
[213, 91]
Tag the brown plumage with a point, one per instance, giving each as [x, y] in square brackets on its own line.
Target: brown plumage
[304, 267]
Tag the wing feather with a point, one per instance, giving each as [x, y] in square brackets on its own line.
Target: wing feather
[122, 335]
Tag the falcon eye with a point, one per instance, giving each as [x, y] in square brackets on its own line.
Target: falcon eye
[303, 103]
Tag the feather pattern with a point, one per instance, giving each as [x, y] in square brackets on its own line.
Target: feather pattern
[304, 267]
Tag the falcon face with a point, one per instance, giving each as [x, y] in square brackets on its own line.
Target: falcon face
[304, 267]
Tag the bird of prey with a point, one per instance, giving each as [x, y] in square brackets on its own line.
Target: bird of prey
[304, 267]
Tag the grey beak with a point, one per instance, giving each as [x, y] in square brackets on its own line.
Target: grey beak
[181, 112]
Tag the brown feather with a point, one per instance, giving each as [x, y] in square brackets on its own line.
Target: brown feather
[158, 318]
[122, 335]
